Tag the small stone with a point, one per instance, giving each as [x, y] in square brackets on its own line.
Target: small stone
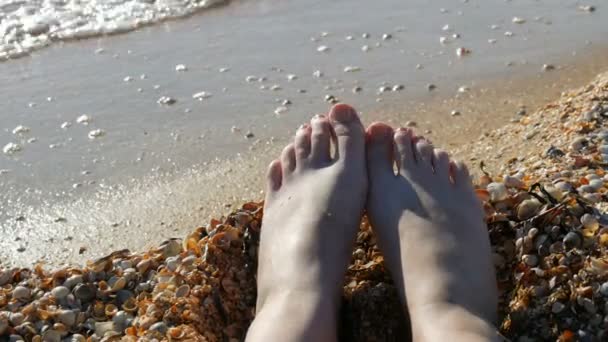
[66, 125]
[387, 36]
[249, 135]
[180, 67]
[431, 87]
[604, 289]
[224, 69]
[509, 34]
[67, 317]
[455, 113]
[398, 87]
[384, 89]
[291, 77]
[492, 41]
[463, 89]
[603, 149]
[411, 124]
[518, 20]
[365, 35]
[160, 327]
[127, 79]
[365, 48]
[528, 208]
[357, 89]
[596, 184]
[251, 79]
[280, 110]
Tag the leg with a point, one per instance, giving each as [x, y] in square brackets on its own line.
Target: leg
[430, 228]
[313, 209]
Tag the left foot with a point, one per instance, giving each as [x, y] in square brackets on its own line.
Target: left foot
[314, 202]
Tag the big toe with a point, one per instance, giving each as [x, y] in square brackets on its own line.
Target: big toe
[350, 138]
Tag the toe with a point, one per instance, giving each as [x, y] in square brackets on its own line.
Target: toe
[320, 139]
[424, 152]
[441, 164]
[459, 173]
[273, 178]
[350, 137]
[380, 150]
[302, 144]
[288, 160]
[404, 154]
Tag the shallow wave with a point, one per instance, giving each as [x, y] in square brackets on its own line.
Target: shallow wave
[29, 25]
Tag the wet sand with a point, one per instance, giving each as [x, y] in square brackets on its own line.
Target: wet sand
[156, 172]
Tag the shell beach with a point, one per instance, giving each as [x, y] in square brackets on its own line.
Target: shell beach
[543, 183]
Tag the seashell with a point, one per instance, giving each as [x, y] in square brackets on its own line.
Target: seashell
[120, 318]
[21, 293]
[530, 259]
[60, 328]
[3, 325]
[528, 208]
[60, 292]
[590, 222]
[73, 281]
[599, 266]
[78, 338]
[555, 192]
[143, 265]
[51, 336]
[177, 333]
[130, 305]
[67, 317]
[513, 182]
[604, 289]
[172, 263]
[182, 291]
[160, 327]
[5, 277]
[171, 248]
[110, 310]
[101, 328]
[117, 283]
[15, 318]
[498, 192]
[84, 292]
[572, 240]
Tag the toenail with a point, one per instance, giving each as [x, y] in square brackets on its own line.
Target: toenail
[343, 113]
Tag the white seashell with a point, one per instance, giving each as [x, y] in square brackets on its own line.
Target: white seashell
[96, 133]
[201, 95]
[11, 148]
[21, 129]
[180, 67]
[498, 192]
[83, 119]
[323, 48]
[351, 68]
[518, 20]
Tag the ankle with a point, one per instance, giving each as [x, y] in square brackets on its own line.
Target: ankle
[445, 321]
[290, 316]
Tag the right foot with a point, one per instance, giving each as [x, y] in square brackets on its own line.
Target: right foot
[430, 229]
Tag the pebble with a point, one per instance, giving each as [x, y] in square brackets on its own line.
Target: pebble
[365, 48]
[398, 87]
[96, 133]
[66, 125]
[492, 41]
[318, 73]
[21, 129]
[166, 100]
[67, 317]
[323, 48]
[351, 68]
[431, 87]
[387, 36]
[357, 89]
[249, 135]
[251, 79]
[603, 149]
[596, 184]
[513, 182]
[280, 110]
[518, 20]
[224, 69]
[127, 79]
[527, 209]
[509, 34]
[589, 222]
[83, 119]
[201, 95]
[365, 35]
[11, 148]
[455, 113]
[180, 67]
[291, 77]
[161, 327]
[384, 89]
[463, 89]
[587, 8]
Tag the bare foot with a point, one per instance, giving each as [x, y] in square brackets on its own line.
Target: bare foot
[313, 208]
[430, 228]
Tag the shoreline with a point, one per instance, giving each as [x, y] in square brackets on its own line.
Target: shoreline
[546, 211]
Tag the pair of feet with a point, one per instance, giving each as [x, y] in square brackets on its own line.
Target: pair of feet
[428, 223]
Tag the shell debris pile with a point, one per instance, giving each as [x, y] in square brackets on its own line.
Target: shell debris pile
[545, 203]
